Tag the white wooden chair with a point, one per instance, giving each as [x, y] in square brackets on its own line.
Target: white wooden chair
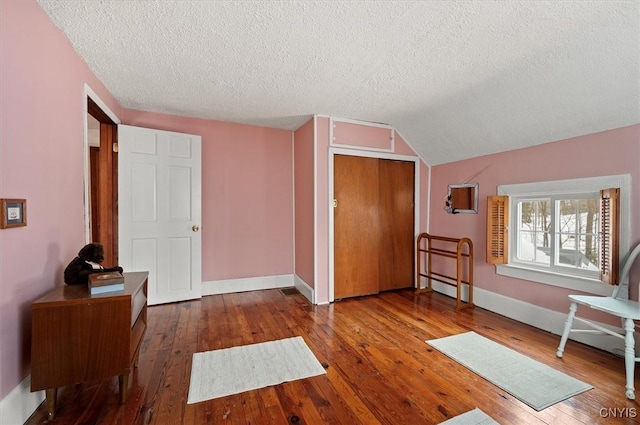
[627, 310]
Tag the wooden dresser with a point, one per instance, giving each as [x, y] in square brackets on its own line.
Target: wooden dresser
[77, 337]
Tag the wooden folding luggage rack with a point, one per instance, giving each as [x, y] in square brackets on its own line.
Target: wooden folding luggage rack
[428, 250]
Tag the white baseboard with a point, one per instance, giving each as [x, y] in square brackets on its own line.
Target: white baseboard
[216, 287]
[229, 286]
[539, 317]
[20, 403]
[304, 288]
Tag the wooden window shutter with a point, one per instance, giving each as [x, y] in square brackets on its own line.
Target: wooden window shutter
[609, 235]
[497, 236]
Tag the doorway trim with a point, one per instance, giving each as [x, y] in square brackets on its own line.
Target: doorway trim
[368, 154]
[88, 92]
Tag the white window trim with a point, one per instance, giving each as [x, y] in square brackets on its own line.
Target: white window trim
[584, 185]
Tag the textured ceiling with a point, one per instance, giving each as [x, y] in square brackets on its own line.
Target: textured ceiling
[457, 79]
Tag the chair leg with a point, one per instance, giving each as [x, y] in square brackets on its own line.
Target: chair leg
[629, 356]
[567, 328]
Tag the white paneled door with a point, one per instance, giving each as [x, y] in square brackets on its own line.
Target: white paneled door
[159, 210]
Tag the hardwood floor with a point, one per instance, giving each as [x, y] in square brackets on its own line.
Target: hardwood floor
[380, 371]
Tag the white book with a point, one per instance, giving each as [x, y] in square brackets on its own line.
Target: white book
[107, 288]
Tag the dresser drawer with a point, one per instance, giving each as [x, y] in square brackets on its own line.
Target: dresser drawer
[137, 332]
[138, 302]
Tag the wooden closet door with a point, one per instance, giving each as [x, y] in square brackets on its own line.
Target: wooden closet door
[396, 185]
[356, 226]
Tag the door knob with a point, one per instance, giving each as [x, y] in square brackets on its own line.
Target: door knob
[195, 228]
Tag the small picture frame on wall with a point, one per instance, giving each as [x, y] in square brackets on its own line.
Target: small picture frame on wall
[13, 213]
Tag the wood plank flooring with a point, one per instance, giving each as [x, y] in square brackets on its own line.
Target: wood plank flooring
[379, 369]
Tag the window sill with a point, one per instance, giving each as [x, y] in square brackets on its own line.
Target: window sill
[590, 286]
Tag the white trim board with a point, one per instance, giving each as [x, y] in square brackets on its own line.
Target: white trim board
[293, 199]
[229, 286]
[20, 403]
[538, 317]
[315, 206]
[428, 199]
[304, 289]
[88, 92]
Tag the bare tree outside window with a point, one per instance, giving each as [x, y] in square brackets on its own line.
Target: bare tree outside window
[572, 242]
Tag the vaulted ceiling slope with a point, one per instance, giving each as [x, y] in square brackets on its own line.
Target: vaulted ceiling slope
[457, 79]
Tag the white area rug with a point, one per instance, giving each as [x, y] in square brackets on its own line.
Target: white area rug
[531, 382]
[220, 373]
[472, 417]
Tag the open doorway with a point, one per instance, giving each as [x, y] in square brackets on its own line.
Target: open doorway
[102, 180]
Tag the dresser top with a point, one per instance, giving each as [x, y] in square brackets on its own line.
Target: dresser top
[133, 281]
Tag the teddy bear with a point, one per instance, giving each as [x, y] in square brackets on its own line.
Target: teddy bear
[88, 261]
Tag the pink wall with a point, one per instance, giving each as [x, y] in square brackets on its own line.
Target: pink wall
[304, 202]
[403, 148]
[352, 134]
[607, 153]
[247, 195]
[41, 160]
[247, 178]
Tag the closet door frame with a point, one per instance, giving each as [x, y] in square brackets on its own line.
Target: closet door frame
[368, 154]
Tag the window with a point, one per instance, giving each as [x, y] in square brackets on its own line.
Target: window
[558, 233]
[563, 233]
